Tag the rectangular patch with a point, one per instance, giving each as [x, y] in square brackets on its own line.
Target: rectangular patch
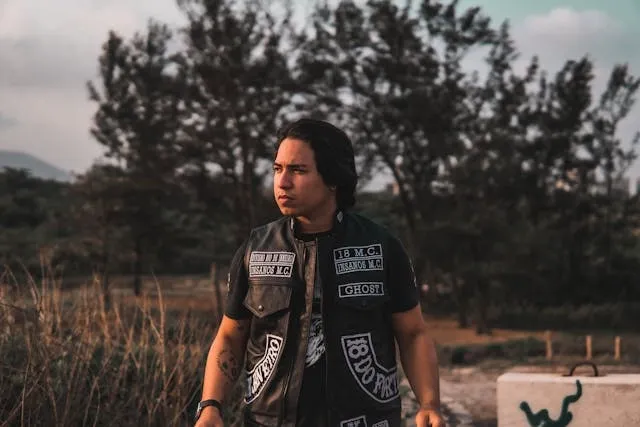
[360, 421]
[362, 289]
[271, 264]
[383, 423]
[350, 259]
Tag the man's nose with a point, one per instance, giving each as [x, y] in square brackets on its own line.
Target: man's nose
[285, 180]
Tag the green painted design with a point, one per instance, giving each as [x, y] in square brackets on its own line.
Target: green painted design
[542, 419]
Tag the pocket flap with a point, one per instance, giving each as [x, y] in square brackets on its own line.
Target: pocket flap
[264, 300]
[364, 302]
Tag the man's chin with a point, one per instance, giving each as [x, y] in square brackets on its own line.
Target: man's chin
[289, 211]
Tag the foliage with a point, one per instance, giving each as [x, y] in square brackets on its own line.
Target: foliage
[138, 121]
[68, 361]
[32, 219]
[238, 85]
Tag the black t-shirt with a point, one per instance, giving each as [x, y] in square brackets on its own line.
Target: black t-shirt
[312, 399]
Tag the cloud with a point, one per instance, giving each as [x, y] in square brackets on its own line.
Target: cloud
[563, 34]
[48, 52]
[572, 24]
[6, 122]
[43, 44]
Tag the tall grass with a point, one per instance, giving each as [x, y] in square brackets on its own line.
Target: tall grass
[65, 360]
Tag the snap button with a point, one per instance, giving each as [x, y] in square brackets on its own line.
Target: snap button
[260, 307]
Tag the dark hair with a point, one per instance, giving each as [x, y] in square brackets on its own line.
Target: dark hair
[333, 150]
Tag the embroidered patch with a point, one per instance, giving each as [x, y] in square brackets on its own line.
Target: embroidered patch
[362, 289]
[360, 421]
[271, 264]
[315, 344]
[380, 383]
[259, 376]
[383, 423]
[350, 259]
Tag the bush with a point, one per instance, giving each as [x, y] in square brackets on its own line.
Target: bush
[65, 360]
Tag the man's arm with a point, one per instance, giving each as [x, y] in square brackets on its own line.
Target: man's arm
[224, 362]
[417, 349]
[226, 354]
[418, 356]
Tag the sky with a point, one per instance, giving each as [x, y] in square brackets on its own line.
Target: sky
[49, 50]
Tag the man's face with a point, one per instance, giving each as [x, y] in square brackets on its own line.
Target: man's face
[297, 185]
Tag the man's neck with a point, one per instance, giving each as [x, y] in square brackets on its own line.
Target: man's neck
[317, 224]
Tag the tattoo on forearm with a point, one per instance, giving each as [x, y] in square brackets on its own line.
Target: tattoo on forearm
[229, 365]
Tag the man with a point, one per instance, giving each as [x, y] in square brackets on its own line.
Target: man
[316, 301]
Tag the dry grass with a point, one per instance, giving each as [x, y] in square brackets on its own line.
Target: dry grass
[445, 331]
[67, 361]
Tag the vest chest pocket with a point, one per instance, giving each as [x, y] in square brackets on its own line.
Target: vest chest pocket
[364, 303]
[265, 300]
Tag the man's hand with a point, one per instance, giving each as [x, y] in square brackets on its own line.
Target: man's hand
[429, 418]
[210, 417]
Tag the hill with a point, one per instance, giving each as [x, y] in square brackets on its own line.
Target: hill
[37, 167]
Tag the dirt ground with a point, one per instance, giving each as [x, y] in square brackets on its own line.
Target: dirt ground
[474, 388]
[445, 331]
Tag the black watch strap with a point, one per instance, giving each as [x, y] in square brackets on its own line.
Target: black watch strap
[208, 402]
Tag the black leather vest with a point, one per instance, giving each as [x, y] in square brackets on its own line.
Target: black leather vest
[362, 382]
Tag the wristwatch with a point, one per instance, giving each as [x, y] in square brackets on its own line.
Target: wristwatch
[204, 404]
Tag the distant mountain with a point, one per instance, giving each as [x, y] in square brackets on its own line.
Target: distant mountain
[37, 167]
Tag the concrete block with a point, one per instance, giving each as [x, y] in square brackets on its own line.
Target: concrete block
[555, 400]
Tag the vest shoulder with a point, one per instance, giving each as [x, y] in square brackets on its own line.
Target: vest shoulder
[365, 224]
[269, 227]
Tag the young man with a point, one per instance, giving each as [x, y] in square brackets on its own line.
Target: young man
[316, 302]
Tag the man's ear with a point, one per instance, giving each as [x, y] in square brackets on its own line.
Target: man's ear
[332, 188]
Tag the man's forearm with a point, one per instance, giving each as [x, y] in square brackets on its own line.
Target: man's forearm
[224, 364]
[420, 364]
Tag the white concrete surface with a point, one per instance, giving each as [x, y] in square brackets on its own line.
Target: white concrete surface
[611, 400]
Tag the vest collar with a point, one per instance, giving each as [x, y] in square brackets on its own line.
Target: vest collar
[339, 220]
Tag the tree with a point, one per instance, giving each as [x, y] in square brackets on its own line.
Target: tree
[477, 161]
[235, 64]
[99, 216]
[411, 107]
[403, 101]
[138, 120]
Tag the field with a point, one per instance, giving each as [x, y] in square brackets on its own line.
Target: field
[66, 360]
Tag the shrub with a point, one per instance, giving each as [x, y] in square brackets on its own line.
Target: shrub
[65, 360]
